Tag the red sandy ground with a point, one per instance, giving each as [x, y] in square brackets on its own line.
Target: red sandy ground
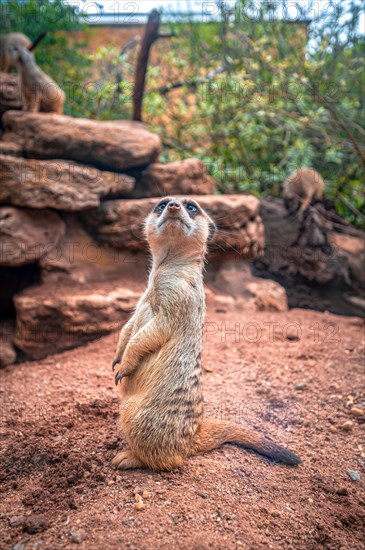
[59, 433]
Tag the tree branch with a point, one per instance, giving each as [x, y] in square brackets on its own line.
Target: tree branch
[191, 83]
[150, 35]
[37, 41]
[166, 35]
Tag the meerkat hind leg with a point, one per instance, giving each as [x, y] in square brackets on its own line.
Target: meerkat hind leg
[32, 103]
[126, 460]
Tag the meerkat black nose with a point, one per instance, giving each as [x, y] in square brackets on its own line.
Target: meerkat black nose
[174, 205]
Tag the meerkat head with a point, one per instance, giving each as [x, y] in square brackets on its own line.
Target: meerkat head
[20, 55]
[179, 224]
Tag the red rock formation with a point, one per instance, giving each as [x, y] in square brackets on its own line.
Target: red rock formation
[115, 145]
[184, 177]
[59, 184]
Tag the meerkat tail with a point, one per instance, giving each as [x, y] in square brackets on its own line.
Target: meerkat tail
[213, 433]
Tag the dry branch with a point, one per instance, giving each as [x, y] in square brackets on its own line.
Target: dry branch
[150, 35]
[37, 41]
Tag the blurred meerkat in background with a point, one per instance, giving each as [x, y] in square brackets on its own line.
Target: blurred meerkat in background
[301, 188]
[39, 91]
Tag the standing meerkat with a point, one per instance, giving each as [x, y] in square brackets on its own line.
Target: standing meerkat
[159, 352]
[39, 91]
[301, 187]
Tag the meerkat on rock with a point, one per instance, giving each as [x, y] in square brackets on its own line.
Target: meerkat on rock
[39, 91]
[159, 352]
[301, 188]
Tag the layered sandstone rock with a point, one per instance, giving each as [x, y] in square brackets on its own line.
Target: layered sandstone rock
[26, 235]
[10, 93]
[289, 252]
[267, 295]
[79, 258]
[320, 267]
[235, 279]
[10, 148]
[120, 223]
[86, 290]
[59, 184]
[353, 247]
[110, 145]
[49, 321]
[184, 177]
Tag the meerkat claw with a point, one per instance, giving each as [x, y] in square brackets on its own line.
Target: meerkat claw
[119, 377]
[115, 362]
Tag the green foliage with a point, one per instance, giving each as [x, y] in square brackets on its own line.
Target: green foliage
[107, 95]
[288, 95]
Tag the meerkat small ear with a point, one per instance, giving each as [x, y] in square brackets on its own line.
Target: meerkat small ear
[212, 230]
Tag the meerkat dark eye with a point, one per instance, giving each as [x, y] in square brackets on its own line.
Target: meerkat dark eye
[191, 207]
[161, 207]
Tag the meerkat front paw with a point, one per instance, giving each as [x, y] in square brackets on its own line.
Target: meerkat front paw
[119, 376]
[126, 369]
[126, 460]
